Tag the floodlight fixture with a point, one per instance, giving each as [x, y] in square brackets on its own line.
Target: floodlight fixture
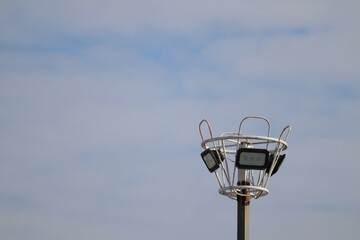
[252, 158]
[212, 159]
[278, 163]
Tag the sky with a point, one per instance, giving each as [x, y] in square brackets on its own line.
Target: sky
[100, 103]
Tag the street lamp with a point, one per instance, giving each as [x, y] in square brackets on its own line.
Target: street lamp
[253, 159]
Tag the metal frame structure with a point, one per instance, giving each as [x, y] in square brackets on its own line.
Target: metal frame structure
[250, 183]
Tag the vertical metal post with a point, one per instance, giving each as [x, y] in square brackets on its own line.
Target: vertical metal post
[243, 203]
[243, 218]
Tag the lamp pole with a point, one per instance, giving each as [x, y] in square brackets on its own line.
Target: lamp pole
[243, 203]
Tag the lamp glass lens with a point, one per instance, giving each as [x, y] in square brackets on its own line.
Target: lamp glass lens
[209, 160]
[252, 158]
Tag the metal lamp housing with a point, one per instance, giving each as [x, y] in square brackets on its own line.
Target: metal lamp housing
[212, 159]
[252, 158]
[277, 165]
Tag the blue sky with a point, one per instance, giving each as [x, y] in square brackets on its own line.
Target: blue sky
[100, 103]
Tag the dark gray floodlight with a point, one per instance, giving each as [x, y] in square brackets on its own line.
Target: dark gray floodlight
[252, 158]
[212, 159]
[277, 165]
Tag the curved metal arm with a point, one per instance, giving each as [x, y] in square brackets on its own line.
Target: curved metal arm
[288, 128]
[209, 127]
[256, 117]
[218, 151]
[278, 150]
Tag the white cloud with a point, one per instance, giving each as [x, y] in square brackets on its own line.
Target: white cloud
[171, 17]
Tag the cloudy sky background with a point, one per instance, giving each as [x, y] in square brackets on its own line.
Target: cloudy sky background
[100, 103]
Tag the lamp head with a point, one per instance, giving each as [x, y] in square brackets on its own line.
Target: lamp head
[212, 159]
[277, 165]
[252, 158]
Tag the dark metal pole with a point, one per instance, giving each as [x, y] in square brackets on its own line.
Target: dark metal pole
[243, 203]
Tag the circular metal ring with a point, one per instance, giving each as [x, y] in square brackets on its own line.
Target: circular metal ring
[245, 138]
[252, 191]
